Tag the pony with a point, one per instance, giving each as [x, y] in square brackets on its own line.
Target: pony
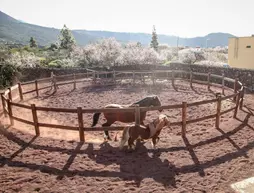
[152, 130]
[125, 117]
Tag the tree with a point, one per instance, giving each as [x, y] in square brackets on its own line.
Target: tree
[191, 56]
[32, 43]
[53, 47]
[154, 43]
[66, 38]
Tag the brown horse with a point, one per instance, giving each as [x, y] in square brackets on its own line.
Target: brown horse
[152, 130]
[125, 117]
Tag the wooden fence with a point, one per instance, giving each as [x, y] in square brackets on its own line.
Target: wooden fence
[8, 102]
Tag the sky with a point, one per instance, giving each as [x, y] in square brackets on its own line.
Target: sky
[184, 18]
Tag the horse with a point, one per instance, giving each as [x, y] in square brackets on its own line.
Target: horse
[125, 117]
[152, 130]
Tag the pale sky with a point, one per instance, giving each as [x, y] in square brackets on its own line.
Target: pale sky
[184, 18]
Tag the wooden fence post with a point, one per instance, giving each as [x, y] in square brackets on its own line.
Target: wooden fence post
[191, 77]
[137, 115]
[94, 76]
[184, 115]
[173, 78]
[53, 77]
[20, 92]
[237, 104]
[74, 81]
[35, 120]
[153, 77]
[10, 111]
[81, 124]
[252, 82]
[3, 104]
[223, 84]
[114, 76]
[10, 94]
[143, 78]
[217, 123]
[235, 88]
[36, 88]
[241, 98]
[208, 81]
[133, 76]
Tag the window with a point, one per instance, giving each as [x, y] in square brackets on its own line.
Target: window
[248, 46]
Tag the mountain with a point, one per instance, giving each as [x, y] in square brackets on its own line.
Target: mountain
[16, 31]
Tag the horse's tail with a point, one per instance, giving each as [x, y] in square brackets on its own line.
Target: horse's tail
[96, 117]
[125, 137]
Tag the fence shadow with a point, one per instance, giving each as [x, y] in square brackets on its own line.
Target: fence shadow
[194, 90]
[137, 164]
[133, 166]
[193, 156]
[98, 89]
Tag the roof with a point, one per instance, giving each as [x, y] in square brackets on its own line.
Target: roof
[244, 37]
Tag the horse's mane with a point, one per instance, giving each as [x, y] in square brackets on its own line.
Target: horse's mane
[143, 100]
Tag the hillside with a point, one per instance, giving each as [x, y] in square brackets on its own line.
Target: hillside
[12, 30]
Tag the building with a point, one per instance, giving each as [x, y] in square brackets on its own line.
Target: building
[241, 52]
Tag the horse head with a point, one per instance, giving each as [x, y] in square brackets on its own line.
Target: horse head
[149, 101]
[166, 121]
[155, 102]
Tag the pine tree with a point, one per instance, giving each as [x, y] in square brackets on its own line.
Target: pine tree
[32, 43]
[154, 43]
[66, 38]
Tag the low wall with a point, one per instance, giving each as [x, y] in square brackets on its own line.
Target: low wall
[246, 76]
[29, 74]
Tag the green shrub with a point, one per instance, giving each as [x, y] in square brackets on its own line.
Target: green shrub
[7, 73]
[55, 64]
[27, 48]
[53, 47]
[43, 61]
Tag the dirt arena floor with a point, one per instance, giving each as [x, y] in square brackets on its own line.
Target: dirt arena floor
[208, 160]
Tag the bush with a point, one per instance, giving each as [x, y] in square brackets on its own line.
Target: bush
[55, 64]
[168, 54]
[43, 61]
[7, 74]
[109, 52]
[53, 47]
[191, 56]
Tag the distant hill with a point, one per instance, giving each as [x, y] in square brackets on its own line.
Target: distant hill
[16, 31]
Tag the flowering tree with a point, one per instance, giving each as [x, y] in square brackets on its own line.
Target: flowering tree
[191, 56]
[135, 54]
[168, 53]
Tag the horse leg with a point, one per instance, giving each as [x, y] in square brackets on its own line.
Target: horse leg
[142, 123]
[154, 140]
[131, 143]
[106, 133]
[158, 139]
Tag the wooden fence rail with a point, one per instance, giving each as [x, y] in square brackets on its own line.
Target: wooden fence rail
[8, 103]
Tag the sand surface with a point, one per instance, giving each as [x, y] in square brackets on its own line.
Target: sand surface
[209, 160]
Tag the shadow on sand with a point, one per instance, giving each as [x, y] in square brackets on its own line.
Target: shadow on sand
[135, 166]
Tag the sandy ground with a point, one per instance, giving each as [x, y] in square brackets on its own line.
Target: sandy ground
[208, 160]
